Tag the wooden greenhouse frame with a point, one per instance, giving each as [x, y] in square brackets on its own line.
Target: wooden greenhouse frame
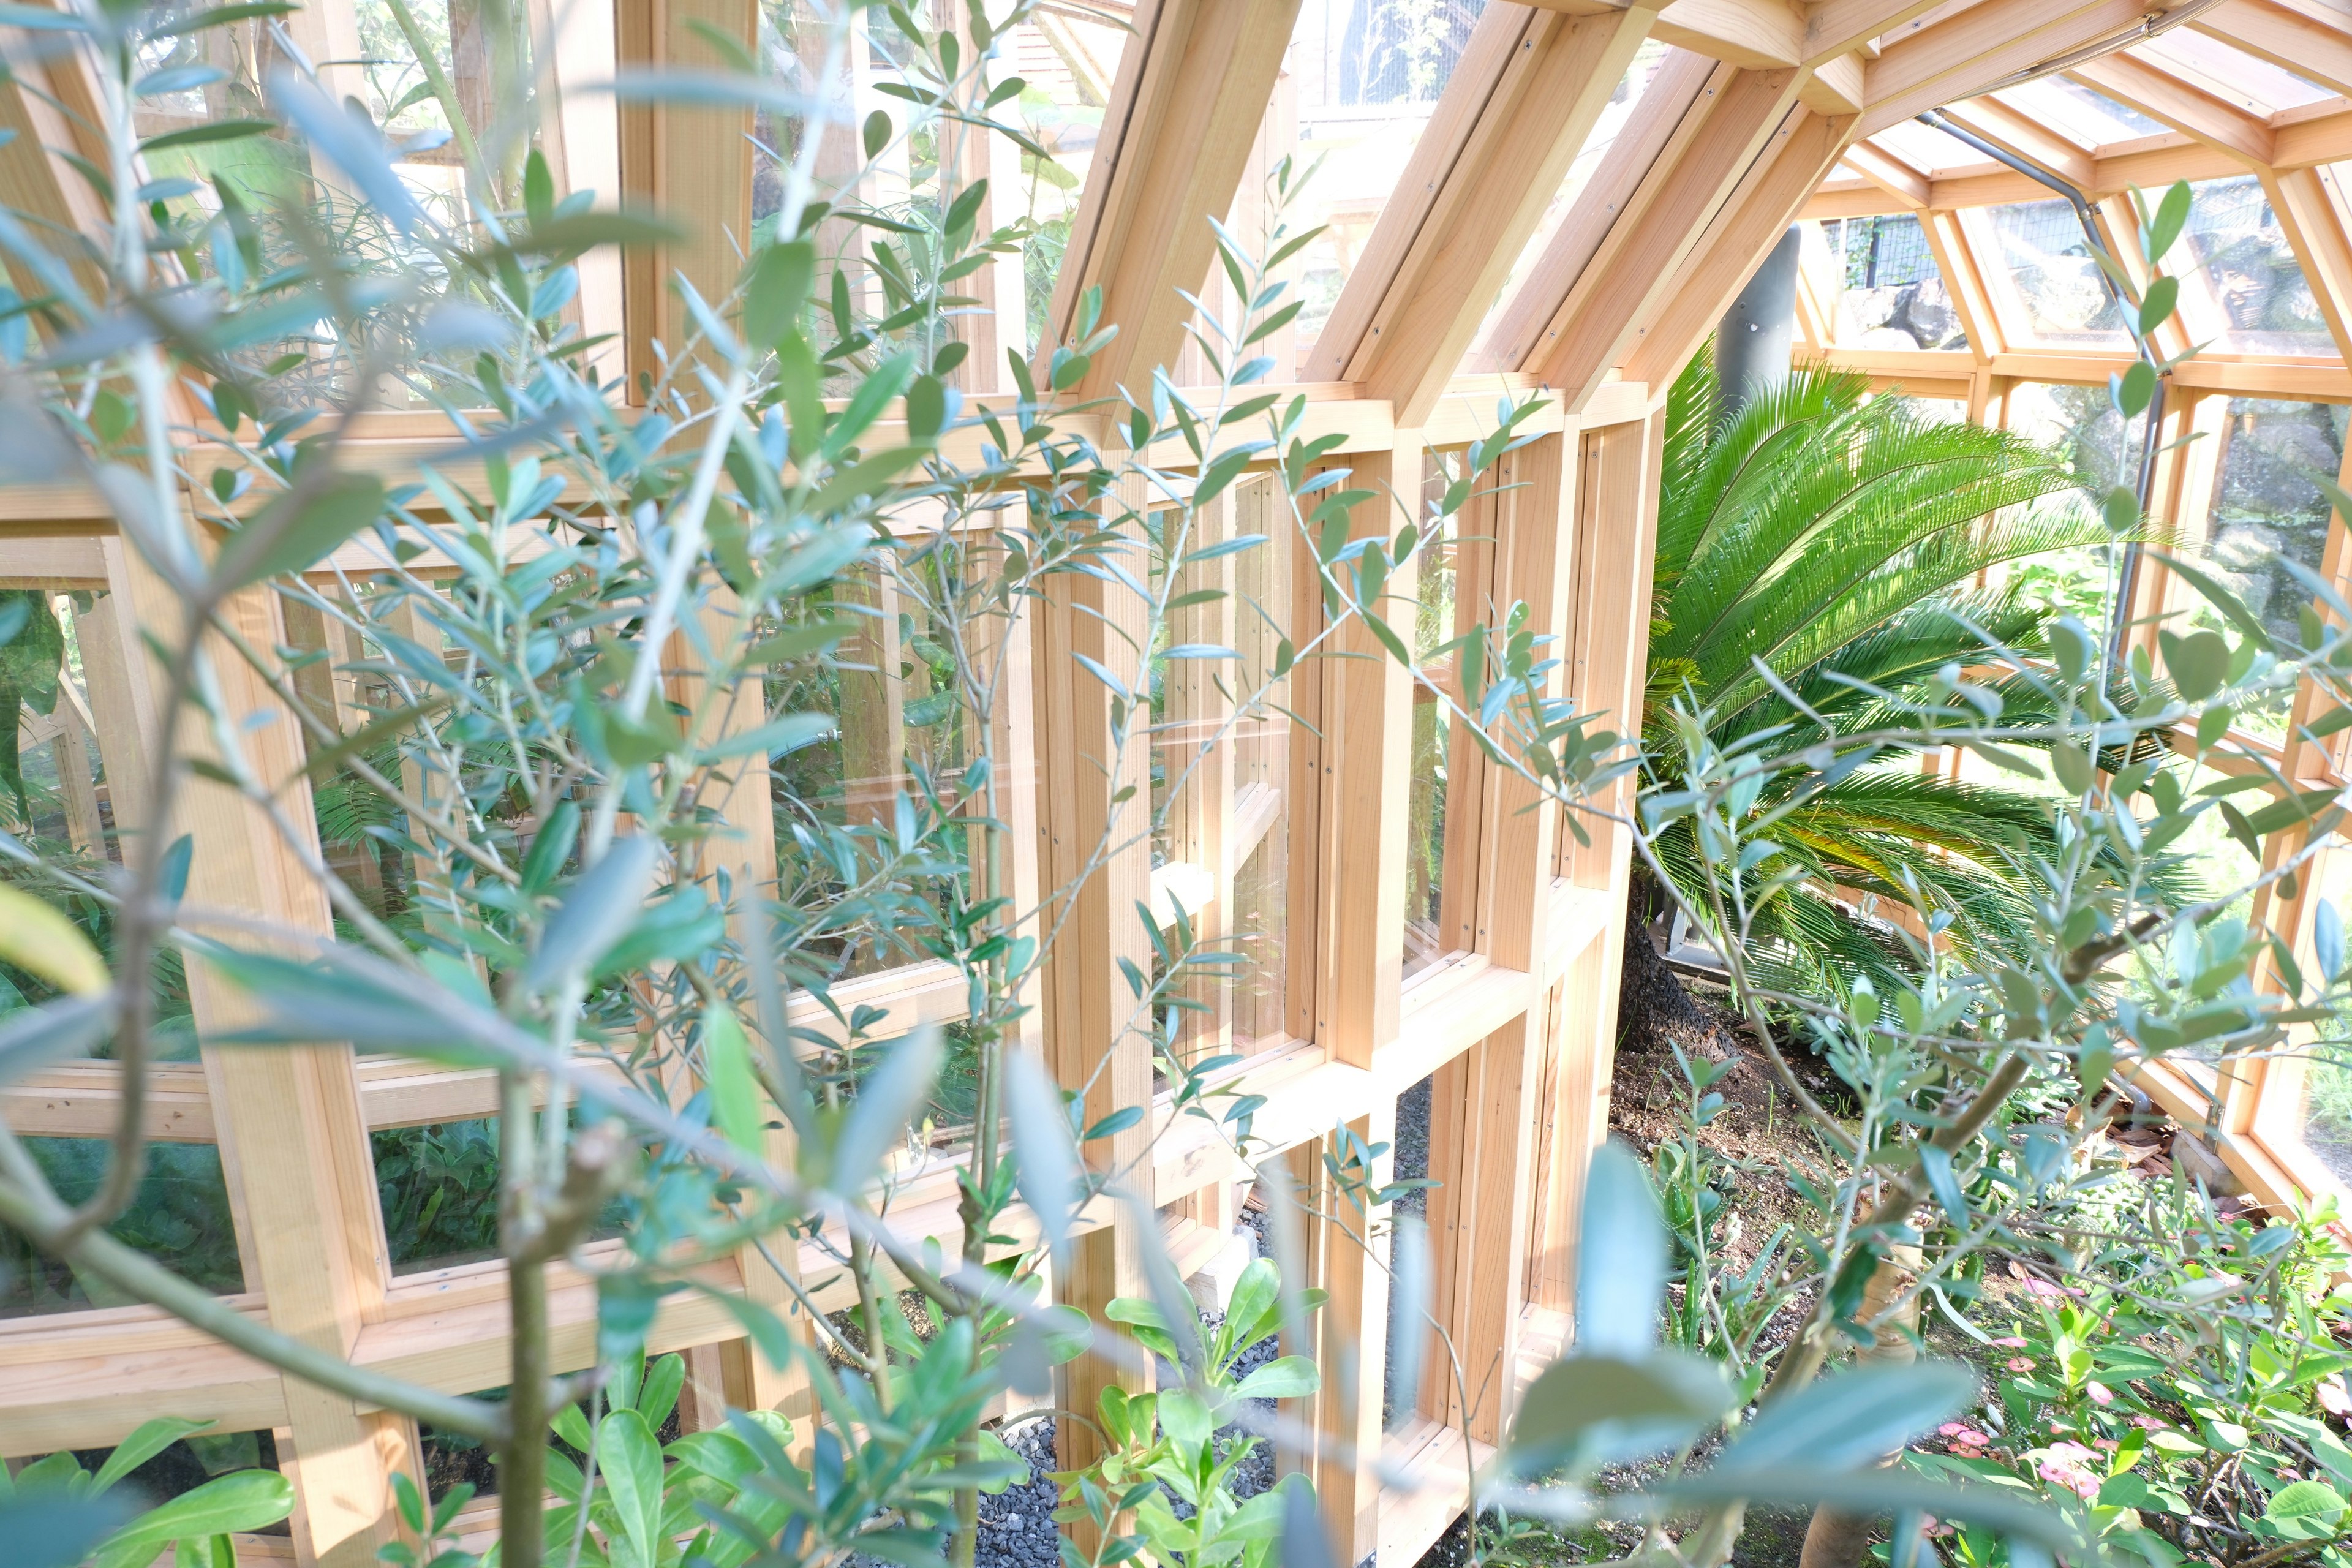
[1758, 113]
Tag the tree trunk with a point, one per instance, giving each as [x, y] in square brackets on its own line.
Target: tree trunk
[1834, 1538]
[1653, 1011]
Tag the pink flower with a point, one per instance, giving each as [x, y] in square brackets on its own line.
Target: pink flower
[2019, 1363]
[2012, 1343]
[2098, 1392]
[1948, 1429]
[1969, 1437]
[2042, 1288]
[2067, 1465]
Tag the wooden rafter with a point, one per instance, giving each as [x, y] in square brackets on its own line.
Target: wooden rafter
[1595, 297]
[1889, 174]
[1532, 86]
[2286, 38]
[2019, 133]
[1766, 201]
[2161, 96]
[1964, 54]
[1193, 86]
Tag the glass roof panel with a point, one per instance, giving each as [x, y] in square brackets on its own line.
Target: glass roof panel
[1925, 148]
[2088, 118]
[2247, 287]
[2229, 73]
[1367, 74]
[1888, 291]
[1629, 88]
[2061, 297]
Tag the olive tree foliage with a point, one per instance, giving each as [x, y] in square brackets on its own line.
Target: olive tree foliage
[1975, 1091]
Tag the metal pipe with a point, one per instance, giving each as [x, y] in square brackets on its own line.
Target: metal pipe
[2144, 489]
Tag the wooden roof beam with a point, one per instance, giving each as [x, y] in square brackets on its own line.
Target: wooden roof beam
[1682, 77]
[1529, 88]
[1834, 27]
[1192, 88]
[1963, 54]
[1889, 174]
[2288, 40]
[1627, 276]
[1805, 147]
[1757, 34]
[2164, 97]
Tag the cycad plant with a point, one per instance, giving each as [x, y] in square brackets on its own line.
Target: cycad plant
[1839, 540]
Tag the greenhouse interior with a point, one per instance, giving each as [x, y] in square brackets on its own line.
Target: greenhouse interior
[686, 882]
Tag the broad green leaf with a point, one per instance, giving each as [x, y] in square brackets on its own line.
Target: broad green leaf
[240, 1503]
[776, 290]
[150, 1438]
[630, 1461]
[2172, 217]
[2198, 663]
[35, 935]
[2304, 1511]
[1286, 1377]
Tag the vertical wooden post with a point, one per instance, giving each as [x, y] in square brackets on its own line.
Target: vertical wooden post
[1484, 1113]
[1616, 546]
[1354, 1341]
[741, 847]
[873, 699]
[121, 695]
[293, 1140]
[688, 159]
[75, 726]
[1094, 1031]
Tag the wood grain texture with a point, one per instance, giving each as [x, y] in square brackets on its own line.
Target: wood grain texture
[1192, 88]
[1530, 90]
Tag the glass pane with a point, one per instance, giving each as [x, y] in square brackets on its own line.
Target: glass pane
[2082, 421]
[1889, 293]
[1220, 776]
[1424, 932]
[2087, 118]
[2229, 73]
[2255, 295]
[1367, 73]
[1261, 782]
[891, 685]
[438, 1186]
[180, 1214]
[2059, 287]
[2322, 1114]
[2267, 506]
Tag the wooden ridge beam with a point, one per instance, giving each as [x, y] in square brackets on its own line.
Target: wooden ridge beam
[1963, 54]
[1193, 86]
[1596, 314]
[2161, 96]
[1834, 27]
[1473, 193]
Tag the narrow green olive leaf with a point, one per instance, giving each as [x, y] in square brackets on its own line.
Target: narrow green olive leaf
[1937, 1165]
[2172, 217]
[300, 528]
[34, 1037]
[736, 1104]
[886, 1103]
[777, 291]
[1591, 1409]
[1623, 1278]
[49, 1532]
[1046, 1161]
[1876, 1491]
[36, 935]
[787, 732]
[597, 912]
[1850, 1418]
[2162, 295]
